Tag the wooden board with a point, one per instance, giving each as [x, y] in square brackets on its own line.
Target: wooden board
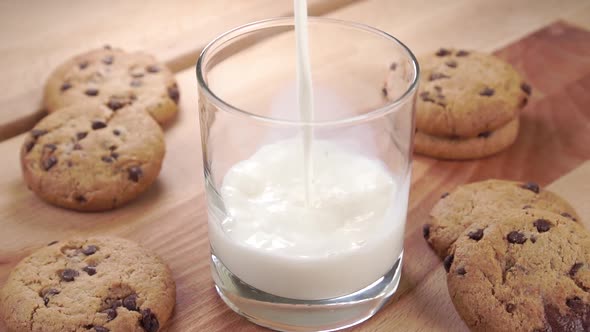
[48, 32]
[171, 217]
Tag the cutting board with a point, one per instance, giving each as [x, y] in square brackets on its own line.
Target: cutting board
[171, 217]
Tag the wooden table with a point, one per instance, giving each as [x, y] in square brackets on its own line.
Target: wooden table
[171, 217]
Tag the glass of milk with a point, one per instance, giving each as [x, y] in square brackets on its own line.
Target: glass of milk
[307, 164]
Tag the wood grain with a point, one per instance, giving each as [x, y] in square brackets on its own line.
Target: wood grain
[171, 217]
[38, 36]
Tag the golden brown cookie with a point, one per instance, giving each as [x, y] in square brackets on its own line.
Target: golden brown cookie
[467, 204]
[457, 148]
[98, 284]
[466, 94]
[114, 78]
[527, 270]
[88, 157]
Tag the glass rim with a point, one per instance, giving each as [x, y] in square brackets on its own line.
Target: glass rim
[389, 107]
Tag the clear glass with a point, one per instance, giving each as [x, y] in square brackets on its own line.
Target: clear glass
[331, 275]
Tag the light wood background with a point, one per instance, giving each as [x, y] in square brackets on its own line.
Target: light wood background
[171, 217]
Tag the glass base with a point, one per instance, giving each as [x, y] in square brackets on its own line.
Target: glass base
[283, 314]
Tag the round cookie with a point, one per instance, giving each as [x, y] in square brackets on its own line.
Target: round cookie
[467, 204]
[484, 145]
[465, 93]
[99, 284]
[529, 272]
[115, 78]
[90, 158]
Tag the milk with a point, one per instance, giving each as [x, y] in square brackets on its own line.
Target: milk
[304, 89]
[350, 235]
[305, 218]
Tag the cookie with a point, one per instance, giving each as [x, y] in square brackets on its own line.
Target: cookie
[114, 78]
[91, 158]
[467, 94]
[529, 272]
[456, 211]
[456, 148]
[98, 284]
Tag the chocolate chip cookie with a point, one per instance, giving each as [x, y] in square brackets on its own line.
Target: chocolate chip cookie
[114, 78]
[99, 284]
[467, 94]
[469, 203]
[88, 157]
[529, 272]
[457, 148]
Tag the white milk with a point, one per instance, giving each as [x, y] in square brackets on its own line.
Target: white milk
[350, 236]
[309, 221]
[304, 89]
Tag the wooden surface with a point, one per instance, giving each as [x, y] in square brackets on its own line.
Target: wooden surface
[171, 217]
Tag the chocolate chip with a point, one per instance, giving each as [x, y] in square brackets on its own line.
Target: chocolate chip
[91, 92]
[426, 97]
[448, 261]
[533, 238]
[111, 314]
[484, 134]
[107, 159]
[113, 147]
[80, 199]
[526, 88]
[384, 91]
[98, 125]
[135, 82]
[114, 155]
[115, 104]
[101, 329]
[49, 147]
[77, 146]
[135, 173]
[107, 47]
[575, 303]
[89, 250]
[52, 243]
[437, 88]
[29, 146]
[531, 186]
[526, 207]
[542, 225]
[130, 302]
[575, 268]
[149, 321]
[36, 133]
[81, 135]
[173, 93]
[426, 231]
[487, 92]
[116, 132]
[443, 52]
[65, 86]
[510, 308]
[393, 66]
[49, 162]
[451, 63]
[152, 69]
[437, 76]
[108, 60]
[445, 194]
[68, 274]
[461, 271]
[91, 270]
[462, 53]
[476, 234]
[83, 65]
[516, 237]
[47, 294]
[567, 215]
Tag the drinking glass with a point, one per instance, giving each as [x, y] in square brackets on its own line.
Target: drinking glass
[364, 83]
